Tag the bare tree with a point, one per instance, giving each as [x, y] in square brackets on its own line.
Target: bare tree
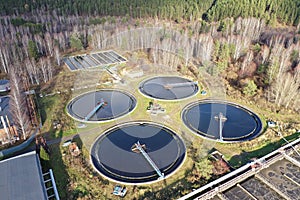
[18, 105]
[46, 69]
[3, 57]
[265, 51]
[275, 60]
[286, 88]
[247, 60]
[49, 44]
[240, 43]
[57, 55]
[285, 81]
[43, 65]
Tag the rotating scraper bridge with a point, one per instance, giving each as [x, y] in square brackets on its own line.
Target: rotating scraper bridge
[94, 110]
[149, 160]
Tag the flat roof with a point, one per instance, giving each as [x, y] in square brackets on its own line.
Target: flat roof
[21, 178]
[98, 59]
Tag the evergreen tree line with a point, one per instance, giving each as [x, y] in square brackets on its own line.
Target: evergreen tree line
[283, 11]
[165, 9]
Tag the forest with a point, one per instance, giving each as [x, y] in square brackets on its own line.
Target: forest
[285, 11]
[251, 46]
[258, 40]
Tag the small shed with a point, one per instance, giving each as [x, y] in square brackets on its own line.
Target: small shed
[271, 124]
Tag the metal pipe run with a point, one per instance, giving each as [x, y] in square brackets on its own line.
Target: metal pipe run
[54, 185]
[140, 148]
[94, 110]
[221, 118]
[172, 85]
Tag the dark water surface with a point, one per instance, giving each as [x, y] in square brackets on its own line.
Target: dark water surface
[113, 157]
[155, 88]
[118, 103]
[241, 124]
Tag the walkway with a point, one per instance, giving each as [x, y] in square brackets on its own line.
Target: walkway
[150, 161]
[94, 110]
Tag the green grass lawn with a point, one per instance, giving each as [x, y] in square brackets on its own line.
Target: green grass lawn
[259, 151]
[76, 179]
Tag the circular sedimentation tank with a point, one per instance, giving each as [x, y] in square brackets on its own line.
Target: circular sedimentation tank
[222, 121]
[116, 156]
[101, 105]
[168, 88]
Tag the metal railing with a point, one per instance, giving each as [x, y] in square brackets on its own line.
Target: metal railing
[94, 111]
[265, 161]
[52, 186]
[150, 161]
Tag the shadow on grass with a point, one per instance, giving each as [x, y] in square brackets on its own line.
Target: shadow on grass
[59, 161]
[177, 189]
[53, 115]
[245, 157]
[74, 175]
[43, 104]
[56, 163]
[172, 191]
